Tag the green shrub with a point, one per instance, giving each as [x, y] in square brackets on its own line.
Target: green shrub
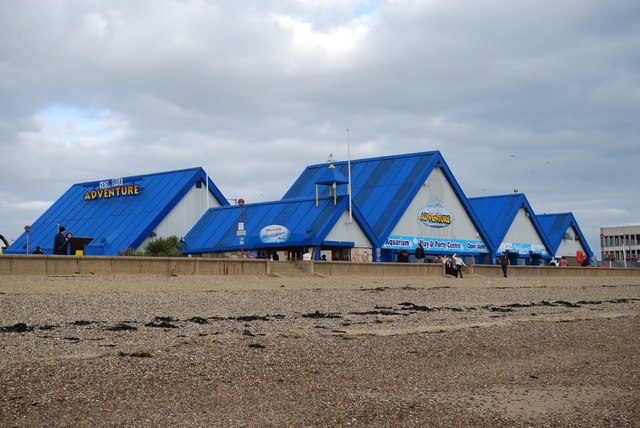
[162, 247]
[129, 252]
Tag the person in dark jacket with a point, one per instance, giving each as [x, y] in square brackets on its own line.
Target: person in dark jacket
[60, 242]
[38, 250]
[420, 254]
[403, 256]
[504, 263]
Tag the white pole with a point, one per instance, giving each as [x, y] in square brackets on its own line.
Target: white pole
[206, 177]
[349, 172]
[206, 182]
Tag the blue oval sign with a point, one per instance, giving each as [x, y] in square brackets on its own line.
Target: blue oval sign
[434, 214]
[274, 234]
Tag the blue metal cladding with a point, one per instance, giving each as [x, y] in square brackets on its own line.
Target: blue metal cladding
[118, 222]
[382, 188]
[556, 225]
[307, 223]
[497, 213]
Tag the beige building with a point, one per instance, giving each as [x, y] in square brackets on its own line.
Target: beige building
[620, 243]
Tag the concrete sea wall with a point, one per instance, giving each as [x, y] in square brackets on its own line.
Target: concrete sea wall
[105, 265]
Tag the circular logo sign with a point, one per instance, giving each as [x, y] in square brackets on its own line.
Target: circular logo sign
[274, 234]
[434, 214]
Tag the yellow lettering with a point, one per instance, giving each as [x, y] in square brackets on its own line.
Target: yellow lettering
[435, 218]
[110, 193]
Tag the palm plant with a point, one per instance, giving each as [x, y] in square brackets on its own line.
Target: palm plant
[162, 247]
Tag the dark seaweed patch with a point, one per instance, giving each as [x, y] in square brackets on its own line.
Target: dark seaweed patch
[249, 318]
[83, 322]
[256, 346]
[121, 327]
[567, 304]
[414, 307]
[47, 327]
[378, 312]
[198, 320]
[16, 328]
[519, 305]
[164, 319]
[161, 324]
[499, 309]
[135, 354]
[318, 314]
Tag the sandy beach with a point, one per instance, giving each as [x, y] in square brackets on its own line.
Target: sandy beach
[257, 352]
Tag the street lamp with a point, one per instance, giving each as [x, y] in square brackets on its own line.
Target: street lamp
[241, 231]
[27, 228]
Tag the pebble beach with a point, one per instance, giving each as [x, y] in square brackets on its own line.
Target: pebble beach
[341, 351]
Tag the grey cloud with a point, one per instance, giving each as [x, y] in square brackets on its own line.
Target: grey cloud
[555, 84]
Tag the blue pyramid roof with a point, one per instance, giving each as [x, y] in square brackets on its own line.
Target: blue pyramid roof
[497, 214]
[122, 220]
[382, 188]
[556, 225]
[303, 223]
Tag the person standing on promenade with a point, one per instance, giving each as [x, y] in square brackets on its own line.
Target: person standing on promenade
[564, 262]
[420, 253]
[457, 260]
[60, 242]
[403, 256]
[504, 263]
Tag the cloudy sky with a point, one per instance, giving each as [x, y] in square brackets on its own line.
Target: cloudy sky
[541, 96]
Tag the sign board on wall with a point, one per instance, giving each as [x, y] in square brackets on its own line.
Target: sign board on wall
[274, 234]
[523, 249]
[439, 245]
[113, 188]
[434, 214]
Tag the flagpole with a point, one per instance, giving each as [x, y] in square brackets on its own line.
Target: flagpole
[206, 181]
[349, 172]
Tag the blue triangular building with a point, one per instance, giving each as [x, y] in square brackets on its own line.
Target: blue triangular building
[400, 201]
[121, 213]
[289, 227]
[513, 228]
[564, 234]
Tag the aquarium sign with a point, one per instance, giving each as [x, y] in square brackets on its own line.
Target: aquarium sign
[435, 245]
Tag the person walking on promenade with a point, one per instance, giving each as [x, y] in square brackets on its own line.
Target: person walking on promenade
[457, 260]
[504, 263]
[420, 254]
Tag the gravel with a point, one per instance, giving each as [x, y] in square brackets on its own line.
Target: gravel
[257, 352]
